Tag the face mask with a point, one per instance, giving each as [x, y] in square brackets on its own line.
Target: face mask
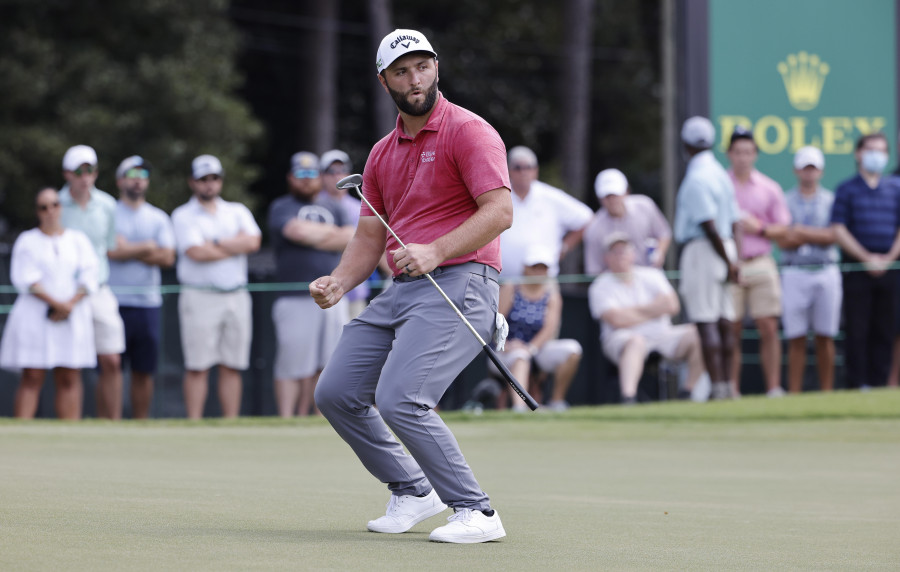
[874, 161]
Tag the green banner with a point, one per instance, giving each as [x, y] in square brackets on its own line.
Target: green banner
[803, 72]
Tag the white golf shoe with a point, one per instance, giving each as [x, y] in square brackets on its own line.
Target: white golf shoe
[468, 526]
[406, 511]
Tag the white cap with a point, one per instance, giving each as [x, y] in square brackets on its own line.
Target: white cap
[77, 156]
[329, 157]
[610, 182]
[614, 238]
[399, 43]
[131, 163]
[522, 154]
[537, 253]
[698, 132]
[809, 155]
[206, 165]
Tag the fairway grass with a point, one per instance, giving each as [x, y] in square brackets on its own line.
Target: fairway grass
[807, 482]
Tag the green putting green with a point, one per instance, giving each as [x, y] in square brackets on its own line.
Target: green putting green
[808, 482]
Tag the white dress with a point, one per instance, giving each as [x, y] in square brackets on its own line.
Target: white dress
[61, 264]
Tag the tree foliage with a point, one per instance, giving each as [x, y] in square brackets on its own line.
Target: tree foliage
[148, 77]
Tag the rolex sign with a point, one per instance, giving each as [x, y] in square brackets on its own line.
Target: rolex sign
[803, 72]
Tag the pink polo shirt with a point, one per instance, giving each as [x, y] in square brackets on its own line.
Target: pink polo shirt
[763, 198]
[427, 185]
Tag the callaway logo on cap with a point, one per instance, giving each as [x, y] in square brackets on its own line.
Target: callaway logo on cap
[399, 43]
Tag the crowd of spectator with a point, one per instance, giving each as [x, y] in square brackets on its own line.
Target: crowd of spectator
[88, 278]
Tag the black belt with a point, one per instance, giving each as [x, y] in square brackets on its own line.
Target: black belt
[478, 268]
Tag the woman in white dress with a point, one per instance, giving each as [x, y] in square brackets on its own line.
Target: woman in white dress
[49, 326]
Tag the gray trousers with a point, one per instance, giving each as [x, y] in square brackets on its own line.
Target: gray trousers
[402, 353]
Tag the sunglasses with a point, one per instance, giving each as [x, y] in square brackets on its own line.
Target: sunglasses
[89, 169]
[208, 178]
[137, 173]
[306, 173]
[522, 167]
[47, 206]
[337, 171]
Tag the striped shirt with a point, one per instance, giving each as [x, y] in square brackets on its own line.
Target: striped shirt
[871, 215]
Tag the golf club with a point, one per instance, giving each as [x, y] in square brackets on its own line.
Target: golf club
[354, 181]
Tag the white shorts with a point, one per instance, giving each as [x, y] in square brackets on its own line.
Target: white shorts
[705, 294]
[663, 340]
[812, 301]
[551, 355]
[216, 328]
[109, 330]
[307, 335]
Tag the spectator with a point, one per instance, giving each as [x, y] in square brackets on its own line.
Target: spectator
[534, 312]
[635, 305]
[50, 324]
[93, 212]
[145, 242]
[706, 220]
[635, 215]
[865, 218]
[213, 238]
[810, 278]
[336, 165]
[761, 201]
[541, 213]
[308, 233]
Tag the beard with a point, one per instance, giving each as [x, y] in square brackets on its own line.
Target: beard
[415, 109]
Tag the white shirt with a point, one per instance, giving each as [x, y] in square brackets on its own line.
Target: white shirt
[609, 292]
[545, 215]
[195, 226]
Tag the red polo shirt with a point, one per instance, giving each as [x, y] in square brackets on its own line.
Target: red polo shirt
[427, 185]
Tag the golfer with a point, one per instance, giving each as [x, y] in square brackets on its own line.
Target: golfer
[440, 180]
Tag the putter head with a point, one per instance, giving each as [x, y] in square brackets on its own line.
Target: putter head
[350, 181]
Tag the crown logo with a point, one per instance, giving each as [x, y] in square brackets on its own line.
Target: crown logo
[804, 76]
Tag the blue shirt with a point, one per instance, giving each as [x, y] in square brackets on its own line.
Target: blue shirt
[871, 215]
[137, 225]
[706, 193]
[526, 317]
[814, 211]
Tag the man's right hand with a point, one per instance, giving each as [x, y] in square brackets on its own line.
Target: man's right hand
[734, 273]
[876, 264]
[326, 291]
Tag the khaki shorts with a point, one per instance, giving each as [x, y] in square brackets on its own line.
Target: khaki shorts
[109, 330]
[216, 328]
[759, 289]
[705, 294]
[307, 335]
[663, 340]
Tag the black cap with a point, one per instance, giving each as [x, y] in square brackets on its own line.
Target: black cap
[740, 132]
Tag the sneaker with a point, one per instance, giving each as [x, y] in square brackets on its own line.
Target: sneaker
[468, 526]
[775, 392]
[557, 406]
[406, 511]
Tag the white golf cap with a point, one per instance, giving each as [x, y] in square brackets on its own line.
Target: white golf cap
[206, 165]
[77, 156]
[610, 182]
[615, 238]
[399, 43]
[335, 155]
[537, 253]
[698, 132]
[809, 155]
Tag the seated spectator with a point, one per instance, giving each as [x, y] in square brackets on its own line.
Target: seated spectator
[50, 324]
[635, 215]
[534, 311]
[635, 305]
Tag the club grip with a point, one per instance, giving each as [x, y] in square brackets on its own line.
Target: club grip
[529, 401]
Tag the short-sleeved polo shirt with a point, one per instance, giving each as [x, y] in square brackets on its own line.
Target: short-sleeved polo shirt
[97, 220]
[137, 225]
[872, 216]
[427, 185]
[706, 193]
